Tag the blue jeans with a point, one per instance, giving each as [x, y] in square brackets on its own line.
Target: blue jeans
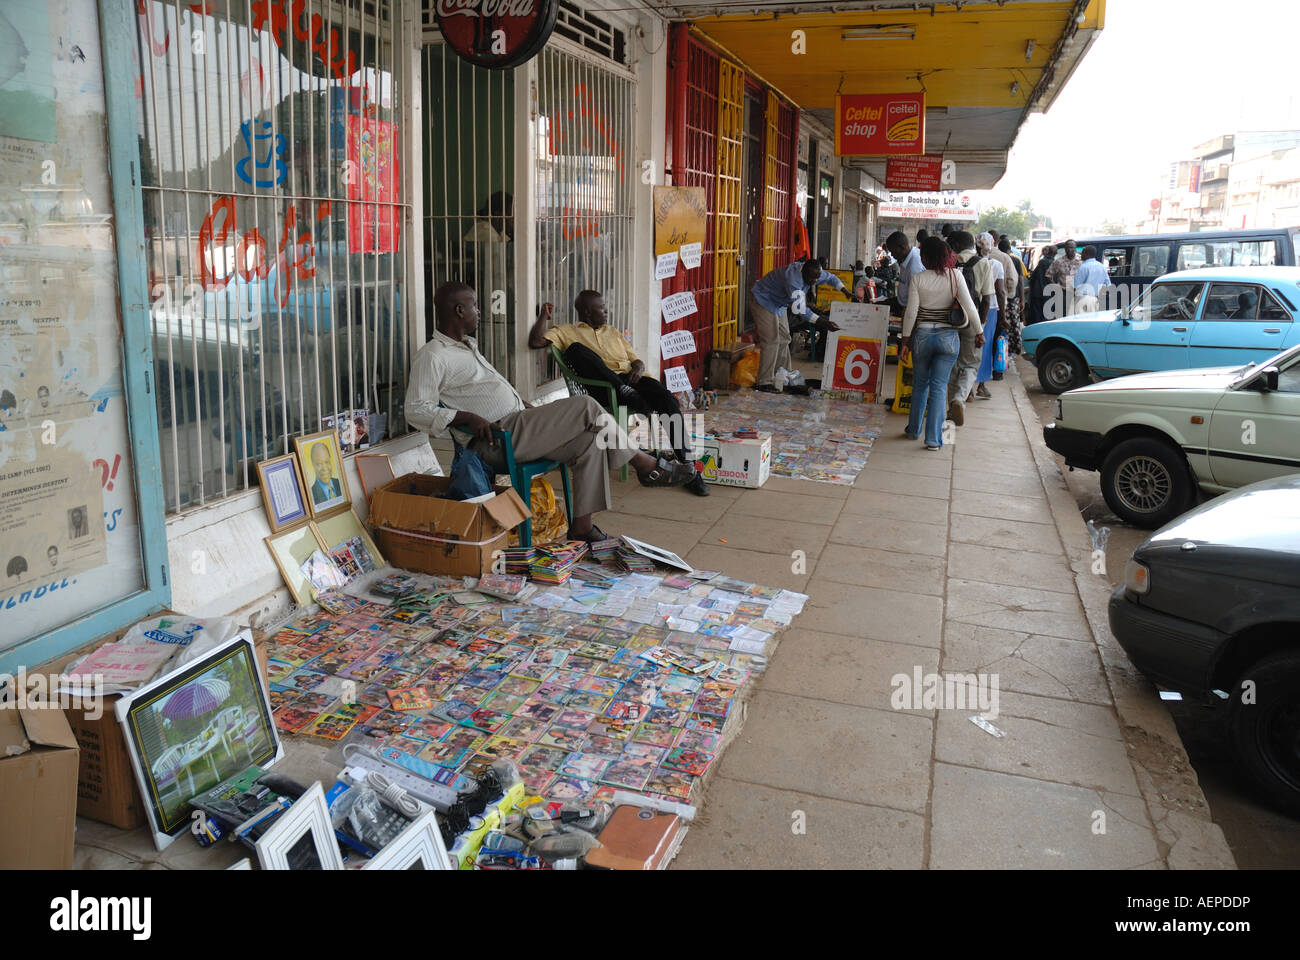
[934, 352]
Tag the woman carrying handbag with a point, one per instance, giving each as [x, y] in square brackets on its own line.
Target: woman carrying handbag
[938, 306]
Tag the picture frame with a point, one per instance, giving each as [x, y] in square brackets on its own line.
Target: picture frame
[325, 494]
[195, 726]
[291, 549]
[374, 470]
[301, 838]
[420, 843]
[284, 496]
[344, 529]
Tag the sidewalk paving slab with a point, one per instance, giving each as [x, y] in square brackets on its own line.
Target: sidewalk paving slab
[981, 820]
[749, 826]
[1027, 662]
[833, 750]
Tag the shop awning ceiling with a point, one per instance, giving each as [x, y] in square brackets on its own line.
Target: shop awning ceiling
[974, 60]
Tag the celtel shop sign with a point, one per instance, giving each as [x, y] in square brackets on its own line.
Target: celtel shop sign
[880, 125]
[496, 33]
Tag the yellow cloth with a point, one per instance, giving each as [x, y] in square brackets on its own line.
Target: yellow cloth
[606, 343]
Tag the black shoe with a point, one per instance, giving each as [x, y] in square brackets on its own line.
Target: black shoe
[767, 388]
[594, 534]
[698, 486]
[667, 474]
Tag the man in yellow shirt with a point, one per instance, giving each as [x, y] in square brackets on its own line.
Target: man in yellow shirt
[597, 351]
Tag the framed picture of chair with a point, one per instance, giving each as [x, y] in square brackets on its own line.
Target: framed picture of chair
[197, 725]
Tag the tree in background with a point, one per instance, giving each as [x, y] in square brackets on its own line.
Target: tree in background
[1015, 223]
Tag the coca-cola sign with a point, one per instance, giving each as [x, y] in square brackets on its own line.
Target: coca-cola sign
[496, 33]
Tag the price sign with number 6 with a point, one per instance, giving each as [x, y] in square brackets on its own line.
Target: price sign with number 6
[857, 367]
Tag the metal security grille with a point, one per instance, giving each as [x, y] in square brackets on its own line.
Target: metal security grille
[693, 83]
[271, 149]
[780, 156]
[596, 34]
[726, 234]
[584, 181]
[469, 211]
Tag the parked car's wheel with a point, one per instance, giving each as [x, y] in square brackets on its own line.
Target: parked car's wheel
[1266, 733]
[1146, 482]
[1061, 369]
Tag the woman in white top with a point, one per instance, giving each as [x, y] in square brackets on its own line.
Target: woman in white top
[938, 305]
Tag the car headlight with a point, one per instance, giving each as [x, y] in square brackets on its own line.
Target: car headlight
[1137, 577]
[1057, 410]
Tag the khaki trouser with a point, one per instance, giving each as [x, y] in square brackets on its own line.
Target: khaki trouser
[575, 431]
[773, 331]
[966, 370]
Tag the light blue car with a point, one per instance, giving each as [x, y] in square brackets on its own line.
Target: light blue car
[1214, 317]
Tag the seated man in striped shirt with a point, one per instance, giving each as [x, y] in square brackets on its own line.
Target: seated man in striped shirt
[453, 387]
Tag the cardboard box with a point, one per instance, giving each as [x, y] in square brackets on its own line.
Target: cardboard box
[417, 530]
[38, 788]
[733, 461]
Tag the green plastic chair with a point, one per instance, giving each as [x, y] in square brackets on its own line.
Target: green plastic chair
[521, 478]
[583, 386]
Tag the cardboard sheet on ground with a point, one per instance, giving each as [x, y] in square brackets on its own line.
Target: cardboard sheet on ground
[854, 367]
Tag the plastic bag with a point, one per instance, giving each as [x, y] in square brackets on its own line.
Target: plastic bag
[1000, 356]
[744, 372]
[469, 477]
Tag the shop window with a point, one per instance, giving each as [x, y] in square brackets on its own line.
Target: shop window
[272, 152]
[585, 170]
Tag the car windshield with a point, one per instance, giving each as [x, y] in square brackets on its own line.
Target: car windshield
[1167, 301]
[1287, 363]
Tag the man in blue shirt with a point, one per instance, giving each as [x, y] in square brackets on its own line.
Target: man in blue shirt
[1092, 276]
[772, 300]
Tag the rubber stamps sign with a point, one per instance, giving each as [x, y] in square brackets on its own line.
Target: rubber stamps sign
[496, 33]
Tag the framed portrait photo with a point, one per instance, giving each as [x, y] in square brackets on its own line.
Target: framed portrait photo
[282, 492]
[322, 472]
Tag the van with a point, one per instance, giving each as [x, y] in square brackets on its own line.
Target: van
[1136, 261]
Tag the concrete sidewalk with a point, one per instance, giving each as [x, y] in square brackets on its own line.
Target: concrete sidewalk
[971, 560]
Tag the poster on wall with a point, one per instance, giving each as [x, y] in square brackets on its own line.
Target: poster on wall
[854, 367]
[679, 218]
[69, 526]
[371, 175]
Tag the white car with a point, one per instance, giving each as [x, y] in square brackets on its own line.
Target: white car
[1158, 437]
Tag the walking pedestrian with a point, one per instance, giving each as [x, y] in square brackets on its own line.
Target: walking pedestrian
[1089, 282]
[1015, 296]
[938, 307]
[978, 273]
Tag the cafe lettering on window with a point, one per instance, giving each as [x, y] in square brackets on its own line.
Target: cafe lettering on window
[496, 33]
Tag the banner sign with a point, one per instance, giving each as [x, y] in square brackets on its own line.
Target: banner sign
[914, 173]
[677, 344]
[854, 367]
[952, 206]
[496, 34]
[880, 125]
[679, 218]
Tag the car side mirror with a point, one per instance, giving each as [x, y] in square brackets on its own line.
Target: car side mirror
[1270, 379]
